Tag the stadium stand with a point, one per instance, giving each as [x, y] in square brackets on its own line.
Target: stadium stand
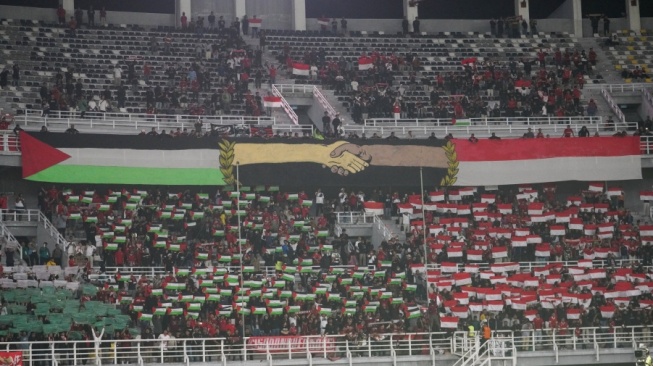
[157, 275]
[631, 55]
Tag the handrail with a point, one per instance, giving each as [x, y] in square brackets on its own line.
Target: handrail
[613, 105]
[485, 121]
[295, 88]
[613, 88]
[119, 117]
[284, 104]
[385, 231]
[354, 217]
[61, 241]
[317, 94]
[6, 234]
[507, 131]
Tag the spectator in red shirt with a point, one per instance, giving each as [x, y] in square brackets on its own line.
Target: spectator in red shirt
[568, 132]
[184, 21]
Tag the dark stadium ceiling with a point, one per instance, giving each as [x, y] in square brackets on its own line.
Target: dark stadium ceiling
[378, 9]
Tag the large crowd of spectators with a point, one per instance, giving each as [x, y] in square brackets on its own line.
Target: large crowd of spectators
[288, 273]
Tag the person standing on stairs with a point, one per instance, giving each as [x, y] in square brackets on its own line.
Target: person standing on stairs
[16, 75]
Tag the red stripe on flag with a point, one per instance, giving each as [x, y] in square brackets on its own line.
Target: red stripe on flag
[524, 149]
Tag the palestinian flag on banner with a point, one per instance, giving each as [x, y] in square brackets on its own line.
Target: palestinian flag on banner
[111, 247]
[72, 199]
[75, 216]
[97, 159]
[412, 313]
[324, 22]
[145, 317]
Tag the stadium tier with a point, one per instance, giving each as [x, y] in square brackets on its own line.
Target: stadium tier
[198, 185]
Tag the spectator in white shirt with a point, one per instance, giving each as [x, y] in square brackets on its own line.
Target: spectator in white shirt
[117, 76]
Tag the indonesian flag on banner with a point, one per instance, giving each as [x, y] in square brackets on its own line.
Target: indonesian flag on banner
[606, 227]
[454, 252]
[646, 230]
[323, 21]
[607, 311]
[255, 22]
[563, 217]
[519, 242]
[574, 201]
[460, 311]
[601, 207]
[573, 314]
[543, 250]
[461, 297]
[575, 224]
[614, 191]
[557, 230]
[590, 230]
[365, 63]
[454, 195]
[437, 196]
[300, 69]
[272, 102]
[535, 208]
[505, 208]
[523, 161]
[375, 208]
[585, 263]
[475, 255]
[449, 267]
[405, 208]
[499, 252]
[463, 210]
[596, 187]
[494, 306]
[467, 191]
[462, 279]
[646, 195]
[449, 322]
[522, 232]
[488, 198]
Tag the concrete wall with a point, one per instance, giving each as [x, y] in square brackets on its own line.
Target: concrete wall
[223, 8]
[564, 11]
[276, 14]
[645, 109]
[114, 17]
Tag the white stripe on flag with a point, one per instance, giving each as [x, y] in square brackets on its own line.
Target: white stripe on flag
[478, 173]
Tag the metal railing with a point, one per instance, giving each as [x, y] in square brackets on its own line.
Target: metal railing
[538, 122]
[354, 217]
[383, 228]
[9, 143]
[8, 237]
[39, 217]
[271, 349]
[524, 267]
[284, 104]
[613, 105]
[220, 350]
[618, 88]
[295, 89]
[317, 94]
[481, 131]
[131, 119]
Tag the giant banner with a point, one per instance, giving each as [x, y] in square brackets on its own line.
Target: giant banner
[283, 344]
[113, 159]
[11, 358]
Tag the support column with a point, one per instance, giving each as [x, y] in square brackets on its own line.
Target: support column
[183, 6]
[578, 17]
[69, 7]
[299, 14]
[411, 12]
[523, 10]
[633, 14]
[240, 7]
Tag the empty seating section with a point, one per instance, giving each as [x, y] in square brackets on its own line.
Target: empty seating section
[632, 55]
[46, 53]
